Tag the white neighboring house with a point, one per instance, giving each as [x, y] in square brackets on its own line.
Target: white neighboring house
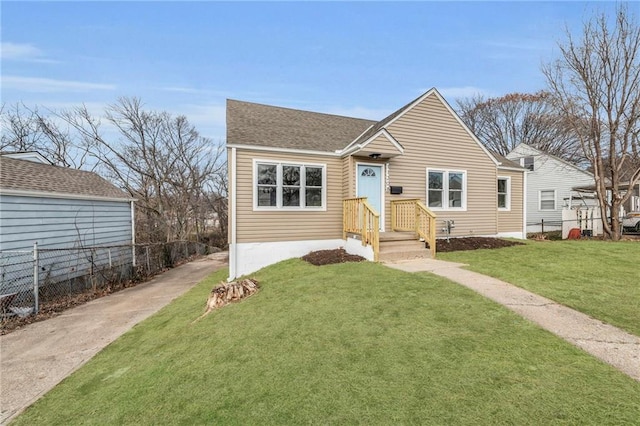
[549, 186]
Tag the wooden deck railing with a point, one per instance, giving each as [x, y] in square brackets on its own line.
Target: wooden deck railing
[358, 217]
[412, 216]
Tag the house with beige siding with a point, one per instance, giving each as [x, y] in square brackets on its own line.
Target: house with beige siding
[301, 181]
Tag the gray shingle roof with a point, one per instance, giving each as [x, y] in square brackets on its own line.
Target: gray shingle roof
[27, 175]
[263, 125]
[504, 161]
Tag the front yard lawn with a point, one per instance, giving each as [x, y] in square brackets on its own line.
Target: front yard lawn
[599, 278]
[353, 343]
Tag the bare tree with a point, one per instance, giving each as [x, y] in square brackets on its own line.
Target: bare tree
[596, 82]
[30, 129]
[502, 123]
[159, 159]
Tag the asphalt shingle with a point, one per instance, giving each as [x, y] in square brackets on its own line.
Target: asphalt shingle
[263, 125]
[27, 175]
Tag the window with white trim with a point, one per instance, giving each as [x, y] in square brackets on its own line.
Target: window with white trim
[548, 199]
[528, 162]
[289, 186]
[504, 193]
[446, 189]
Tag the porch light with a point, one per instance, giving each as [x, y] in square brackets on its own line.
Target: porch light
[375, 155]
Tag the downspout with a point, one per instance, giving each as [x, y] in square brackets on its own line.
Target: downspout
[524, 205]
[133, 233]
[233, 255]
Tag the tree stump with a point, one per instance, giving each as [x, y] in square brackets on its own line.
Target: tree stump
[225, 293]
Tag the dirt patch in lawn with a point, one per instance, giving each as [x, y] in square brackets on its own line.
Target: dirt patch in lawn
[327, 257]
[473, 243]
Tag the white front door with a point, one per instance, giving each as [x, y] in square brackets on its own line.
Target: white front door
[369, 184]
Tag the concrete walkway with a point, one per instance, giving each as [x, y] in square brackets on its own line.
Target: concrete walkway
[39, 356]
[608, 343]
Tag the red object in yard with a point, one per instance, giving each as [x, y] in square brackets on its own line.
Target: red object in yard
[574, 234]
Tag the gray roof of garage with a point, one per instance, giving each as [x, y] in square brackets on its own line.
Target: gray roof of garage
[24, 175]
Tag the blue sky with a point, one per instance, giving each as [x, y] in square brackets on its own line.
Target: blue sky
[360, 59]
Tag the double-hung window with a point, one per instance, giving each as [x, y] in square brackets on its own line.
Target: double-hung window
[289, 186]
[446, 189]
[504, 193]
[548, 199]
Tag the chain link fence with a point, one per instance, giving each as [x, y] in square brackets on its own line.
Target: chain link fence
[44, 278]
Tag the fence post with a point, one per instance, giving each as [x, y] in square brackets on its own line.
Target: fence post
[542, 223]
[110, 264]
[147, 255]
[36, 268]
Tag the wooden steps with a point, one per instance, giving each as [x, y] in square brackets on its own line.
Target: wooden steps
[395, 246]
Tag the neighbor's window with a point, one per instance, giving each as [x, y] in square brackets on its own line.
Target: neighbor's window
[548, 199]
[527, 162]
[504, 196]
[446, 189]
[292, 186]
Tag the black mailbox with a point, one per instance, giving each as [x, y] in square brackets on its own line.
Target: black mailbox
[396, 189]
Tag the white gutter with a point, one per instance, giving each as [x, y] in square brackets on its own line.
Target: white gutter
[285, 150]
[42, 194]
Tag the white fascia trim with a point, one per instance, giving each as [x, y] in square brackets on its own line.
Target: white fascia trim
[63, 195]
[29, 156]
[384, 132]
[513, 169]
[284, 150]
[342, 151]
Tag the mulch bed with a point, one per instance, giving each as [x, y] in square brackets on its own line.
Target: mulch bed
[328, 257]
[473, 243]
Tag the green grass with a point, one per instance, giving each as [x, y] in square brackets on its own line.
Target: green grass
[354, 343]
[599, 278]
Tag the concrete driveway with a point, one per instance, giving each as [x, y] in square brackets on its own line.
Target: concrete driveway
[37, 357]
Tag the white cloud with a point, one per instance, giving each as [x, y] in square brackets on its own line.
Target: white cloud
[208, 119]
[22, 52]
[34, 84]
[524, 44]
[180, 89]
